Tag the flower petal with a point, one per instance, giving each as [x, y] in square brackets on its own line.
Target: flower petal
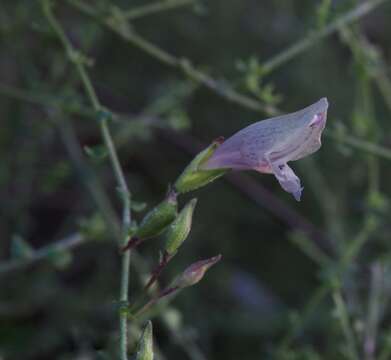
[287, 179]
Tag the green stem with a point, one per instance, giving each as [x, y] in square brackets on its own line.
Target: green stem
[312, 39]
[154, 8]
[361, 144]
[76, 58]
[42, 254]
[346, 326]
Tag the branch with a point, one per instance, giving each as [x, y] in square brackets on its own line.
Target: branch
[44, 253]
[300, 46]
[154, 8]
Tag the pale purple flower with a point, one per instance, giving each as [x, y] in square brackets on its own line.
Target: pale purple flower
[267, 146]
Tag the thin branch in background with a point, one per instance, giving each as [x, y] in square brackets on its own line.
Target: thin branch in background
[44, 253]
[45, 100]
[343, 317]
[375, 64]
[311, 39]
[75, 58]
[374, 311]
[154, 8]
[361, 144]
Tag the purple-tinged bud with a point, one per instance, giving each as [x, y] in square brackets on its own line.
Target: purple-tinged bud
[195, 272]
[267, 146]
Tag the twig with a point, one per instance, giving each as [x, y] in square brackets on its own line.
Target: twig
[297, 48]
[154, 8]
[44, 253]
[374, 311]
[44, 100]
[164, 293]
[360, 144]
[75, 57]
[343, 317]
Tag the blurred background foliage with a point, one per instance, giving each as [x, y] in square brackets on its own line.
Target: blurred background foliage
[308, 280]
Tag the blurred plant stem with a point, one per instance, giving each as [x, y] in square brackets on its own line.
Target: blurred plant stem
[339, 268]
[342, 314]
[153, 8]
[327, 199]
[375, 306]
[313, 38]
[355, 142]
[44, 253]
[79, 62]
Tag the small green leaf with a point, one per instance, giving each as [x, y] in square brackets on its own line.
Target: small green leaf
[94, 227]
[138, 206]
[60, 259]
[104, 115]
[97, 152]
[20, 249]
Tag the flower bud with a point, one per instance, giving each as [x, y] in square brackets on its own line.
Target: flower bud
[193, 177]
[145, 345]
[156, 221]
[195, 272]
[180, 228]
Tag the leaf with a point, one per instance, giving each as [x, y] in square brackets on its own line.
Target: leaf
[20, 248]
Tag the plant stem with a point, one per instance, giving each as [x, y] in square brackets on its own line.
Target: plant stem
[154, 300]
[347, 329]
[42, 254]
[303, 44]
[154, 8]
[76, 58]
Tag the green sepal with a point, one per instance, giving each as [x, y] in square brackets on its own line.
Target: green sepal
[180, 228]
[193, 177]
[145, 345]
[157, 220]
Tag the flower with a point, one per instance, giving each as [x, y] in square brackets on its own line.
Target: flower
[267, 146]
